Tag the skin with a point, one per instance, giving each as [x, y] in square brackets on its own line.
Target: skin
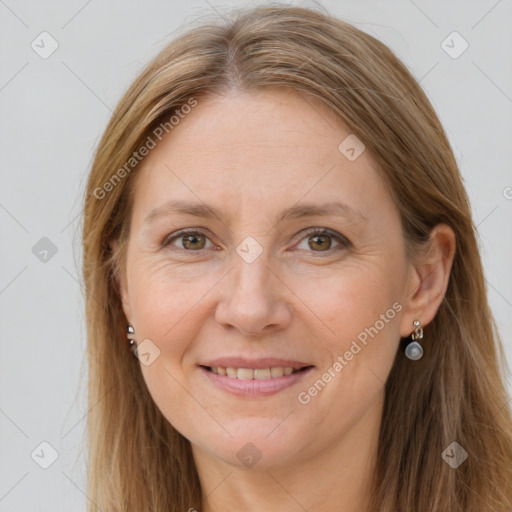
[252, 156]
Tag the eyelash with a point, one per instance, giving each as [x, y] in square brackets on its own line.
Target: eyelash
[344, 242]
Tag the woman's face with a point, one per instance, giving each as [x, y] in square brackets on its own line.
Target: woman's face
[254, 289]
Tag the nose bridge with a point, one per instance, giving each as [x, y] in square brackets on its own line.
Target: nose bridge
[253, 300]
[251, 260]
[251, 279]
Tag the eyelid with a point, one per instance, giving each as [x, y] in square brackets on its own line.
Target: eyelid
[343, 241]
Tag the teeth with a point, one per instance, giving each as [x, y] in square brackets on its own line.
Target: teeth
[243, 373]
[262, 373]
[277, 372]
[256, 373]
[232, 372]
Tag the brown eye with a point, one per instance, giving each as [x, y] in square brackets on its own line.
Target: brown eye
[321, 240]
[194, 241]
[190, 241]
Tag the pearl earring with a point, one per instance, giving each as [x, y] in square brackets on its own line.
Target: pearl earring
[414, 350]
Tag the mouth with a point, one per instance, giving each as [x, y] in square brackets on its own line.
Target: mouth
[273, 372]
[254, 383]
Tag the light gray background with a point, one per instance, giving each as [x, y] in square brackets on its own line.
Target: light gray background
[53, 112]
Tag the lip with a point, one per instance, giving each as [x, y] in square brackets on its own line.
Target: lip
[256, 388]
[262, 362]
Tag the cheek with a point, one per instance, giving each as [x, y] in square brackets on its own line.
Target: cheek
[165, 297]
[167, 305]
[360, 347]
[359, 308]
[347, 299]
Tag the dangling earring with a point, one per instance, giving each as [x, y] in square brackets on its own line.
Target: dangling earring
[130, 333]
[414, 350]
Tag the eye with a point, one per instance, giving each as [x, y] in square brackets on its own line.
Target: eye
[320, 240]
[191, 241]
[195, 241]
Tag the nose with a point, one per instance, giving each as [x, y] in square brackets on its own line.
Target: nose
[255, 301]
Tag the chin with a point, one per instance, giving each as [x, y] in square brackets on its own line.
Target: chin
[258, 444]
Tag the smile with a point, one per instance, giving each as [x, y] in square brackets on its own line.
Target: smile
[254, 382]
[255, 373]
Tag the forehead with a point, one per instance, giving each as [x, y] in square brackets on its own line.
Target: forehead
[249, 151]
[277, 126]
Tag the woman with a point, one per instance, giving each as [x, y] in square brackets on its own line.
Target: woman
[275, 226]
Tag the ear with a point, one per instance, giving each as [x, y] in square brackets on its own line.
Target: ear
[122, 283]
[428, 279]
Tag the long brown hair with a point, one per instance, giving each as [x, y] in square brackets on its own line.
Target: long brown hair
[137, 460]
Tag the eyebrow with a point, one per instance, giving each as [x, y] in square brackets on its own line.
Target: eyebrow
[207, 211]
